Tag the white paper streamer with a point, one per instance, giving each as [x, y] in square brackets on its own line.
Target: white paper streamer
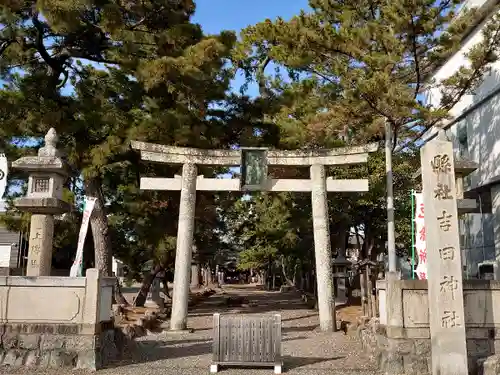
[77, 267]
[3, 174]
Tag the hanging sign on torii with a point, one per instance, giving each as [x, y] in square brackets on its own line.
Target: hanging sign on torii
[253, 169]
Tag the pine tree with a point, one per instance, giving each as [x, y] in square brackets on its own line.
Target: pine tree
[156, 80]
[375, 56]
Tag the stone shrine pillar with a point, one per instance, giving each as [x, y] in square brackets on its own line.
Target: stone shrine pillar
[445, 288]
[322, 249]
[47, 174]
[184, 249]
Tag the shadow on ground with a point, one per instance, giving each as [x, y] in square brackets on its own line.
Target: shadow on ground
[152, 350]
[197, 349]
[291, 363]
[260, 303]
[300, 328]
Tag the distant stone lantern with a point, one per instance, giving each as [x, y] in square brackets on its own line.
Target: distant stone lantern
[47, 173]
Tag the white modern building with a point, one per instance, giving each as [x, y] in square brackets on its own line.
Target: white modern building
[9, 247]
[475, 132]
[9, 250]
[118, 268]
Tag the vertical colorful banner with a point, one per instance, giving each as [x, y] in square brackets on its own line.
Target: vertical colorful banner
[412, 194]
[77, 267]
[420, 245]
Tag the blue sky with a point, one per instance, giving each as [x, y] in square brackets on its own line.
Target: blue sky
[217, 15]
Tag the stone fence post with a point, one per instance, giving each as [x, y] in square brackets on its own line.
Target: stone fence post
[92, 300]
[97, 320]
[394, 306]
[98, 300]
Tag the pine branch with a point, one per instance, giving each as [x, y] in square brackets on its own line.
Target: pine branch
[415, 56]
[80, 55]
[476, 74]
[53, 64]
[4, 45]
[261, 76]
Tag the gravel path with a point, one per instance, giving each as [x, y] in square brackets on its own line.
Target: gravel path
[306, 350]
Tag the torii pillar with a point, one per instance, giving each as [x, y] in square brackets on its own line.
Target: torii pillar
[322, 248]
[184, 251]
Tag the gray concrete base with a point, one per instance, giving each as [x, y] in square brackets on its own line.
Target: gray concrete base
[395, 356]
[404, 351]
[489, 365]
[57, 346]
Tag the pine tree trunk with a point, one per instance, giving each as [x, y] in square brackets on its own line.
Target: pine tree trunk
[363, 292]
[269, 276]
[360, 248]
[374, 296]
[165, 287]
[118, 295]
[195, 276]
[103, 250]
[296, 275]
[289, 282]
[261, 277]
[210, 279]
[204, 276]
[142, 295]
[195, 269]
[207, 276]
[368, 292]
[314, 282]
[302, 286]
[100, 230]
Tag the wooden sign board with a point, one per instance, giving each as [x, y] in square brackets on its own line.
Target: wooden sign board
[247, 340]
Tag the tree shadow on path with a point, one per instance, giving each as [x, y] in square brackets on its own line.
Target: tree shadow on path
[154, 350]
[292, 362]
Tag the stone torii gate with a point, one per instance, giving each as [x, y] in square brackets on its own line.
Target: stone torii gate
[253, 162]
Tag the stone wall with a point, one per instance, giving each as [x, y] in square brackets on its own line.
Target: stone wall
[400, 338]
[395, 356]
[56, 321]
[57, 345]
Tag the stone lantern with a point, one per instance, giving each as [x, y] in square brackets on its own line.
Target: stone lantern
[340, 267]
[46, 175]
